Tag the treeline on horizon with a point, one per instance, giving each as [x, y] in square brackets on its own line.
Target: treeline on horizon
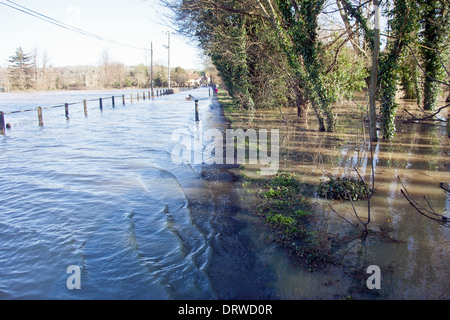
[25, 72]
[313, 54]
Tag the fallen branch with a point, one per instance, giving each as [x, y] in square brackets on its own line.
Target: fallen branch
[423, 70]
[427, 117]
[426, 212]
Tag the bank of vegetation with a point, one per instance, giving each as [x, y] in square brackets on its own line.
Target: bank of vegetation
[312, 54]
[282, 202]
[309, 58]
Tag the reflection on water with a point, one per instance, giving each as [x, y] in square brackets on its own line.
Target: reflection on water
[413, 252]
[102, 193]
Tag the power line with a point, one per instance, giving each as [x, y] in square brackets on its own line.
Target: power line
[63, 25]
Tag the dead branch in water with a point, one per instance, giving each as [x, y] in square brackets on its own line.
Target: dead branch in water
[426, 212]
[427, 117]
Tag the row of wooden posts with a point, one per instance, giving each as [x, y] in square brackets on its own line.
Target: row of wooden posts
[4, 125]
[159, 93]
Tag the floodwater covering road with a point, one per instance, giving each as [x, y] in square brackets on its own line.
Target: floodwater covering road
[102, 193]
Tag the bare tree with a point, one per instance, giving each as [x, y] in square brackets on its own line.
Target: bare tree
[34, 58]
[105, 69]
[44, 71]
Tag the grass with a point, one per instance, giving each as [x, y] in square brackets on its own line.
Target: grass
[285, 211]
[280, 205]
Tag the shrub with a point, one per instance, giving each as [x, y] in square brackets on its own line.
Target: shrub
[281, 220]
[344, 189]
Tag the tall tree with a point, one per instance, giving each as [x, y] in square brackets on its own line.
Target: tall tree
[45, 72]
[410, 76]
[141, 75]
[243, 47]
[403, 20]
[435, 22]
[297, 25]
[21, 70]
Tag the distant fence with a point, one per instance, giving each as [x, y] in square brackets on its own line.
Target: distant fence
[150, 94]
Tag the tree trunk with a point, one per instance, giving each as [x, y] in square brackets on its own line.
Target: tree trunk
[301, 103]
[348, 27]
[434, 35]
[302, 111]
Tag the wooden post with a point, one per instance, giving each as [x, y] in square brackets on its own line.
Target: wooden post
[39, 112]
[85, 107]
[196, 111]
[149, 95]
[143, 95]
[209, 91]
[138, 96]
[101, 103]
[123, 99]
[66, 107]
[2, 123]
[113, 101]
[131, 98]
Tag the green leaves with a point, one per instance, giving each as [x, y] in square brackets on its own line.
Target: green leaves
[435, 21]
[344, 189]
[403, 23]
[297, 27]
[281, 205]
[424, 24]
[291, 219]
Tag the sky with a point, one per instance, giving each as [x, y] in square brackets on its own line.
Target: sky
[136, 23]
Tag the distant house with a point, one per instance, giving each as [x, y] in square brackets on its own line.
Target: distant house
[196, 79]
[194, 82]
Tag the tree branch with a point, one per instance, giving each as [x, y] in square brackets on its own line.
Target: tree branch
[428, 117]
[428, 213]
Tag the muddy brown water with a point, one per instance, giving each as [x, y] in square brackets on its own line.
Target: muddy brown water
[103, 193]
[413, 252]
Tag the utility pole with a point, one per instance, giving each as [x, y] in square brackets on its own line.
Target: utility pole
[168, 62]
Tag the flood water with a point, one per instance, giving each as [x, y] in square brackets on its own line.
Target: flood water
[102, 193]
[412, 251]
